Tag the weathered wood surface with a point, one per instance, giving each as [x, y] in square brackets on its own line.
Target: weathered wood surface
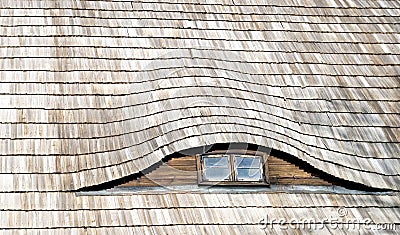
[64, 213]
[92, 91]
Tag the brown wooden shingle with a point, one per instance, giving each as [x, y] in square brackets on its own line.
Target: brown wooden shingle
[94, 91]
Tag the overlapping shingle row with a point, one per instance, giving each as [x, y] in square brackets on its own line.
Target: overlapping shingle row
[92, 91]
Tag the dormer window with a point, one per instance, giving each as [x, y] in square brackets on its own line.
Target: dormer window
[232, 168]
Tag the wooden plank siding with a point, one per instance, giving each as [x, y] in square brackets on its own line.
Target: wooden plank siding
[183, 171]
[176, 171]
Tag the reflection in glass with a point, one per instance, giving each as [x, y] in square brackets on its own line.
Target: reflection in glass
[216, 161]
[248, 168]
[216, 168]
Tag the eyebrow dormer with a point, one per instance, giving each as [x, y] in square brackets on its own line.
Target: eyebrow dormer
[237, 166]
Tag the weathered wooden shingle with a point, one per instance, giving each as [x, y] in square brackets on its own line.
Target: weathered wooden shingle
[63, 212]
[92, 91]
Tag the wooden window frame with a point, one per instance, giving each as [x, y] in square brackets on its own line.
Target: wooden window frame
[231, 165]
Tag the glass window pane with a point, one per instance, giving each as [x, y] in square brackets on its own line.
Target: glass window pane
[216, 161]
[248, 162]
[249, 174]
[216, 168]
[217, 174]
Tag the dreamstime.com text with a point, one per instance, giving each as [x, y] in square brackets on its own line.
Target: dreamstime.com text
[342, 221]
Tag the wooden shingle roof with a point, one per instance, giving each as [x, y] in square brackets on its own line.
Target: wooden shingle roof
[92, 91]
[197, 213]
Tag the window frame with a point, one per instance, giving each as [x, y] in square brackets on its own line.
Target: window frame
[232, 168]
